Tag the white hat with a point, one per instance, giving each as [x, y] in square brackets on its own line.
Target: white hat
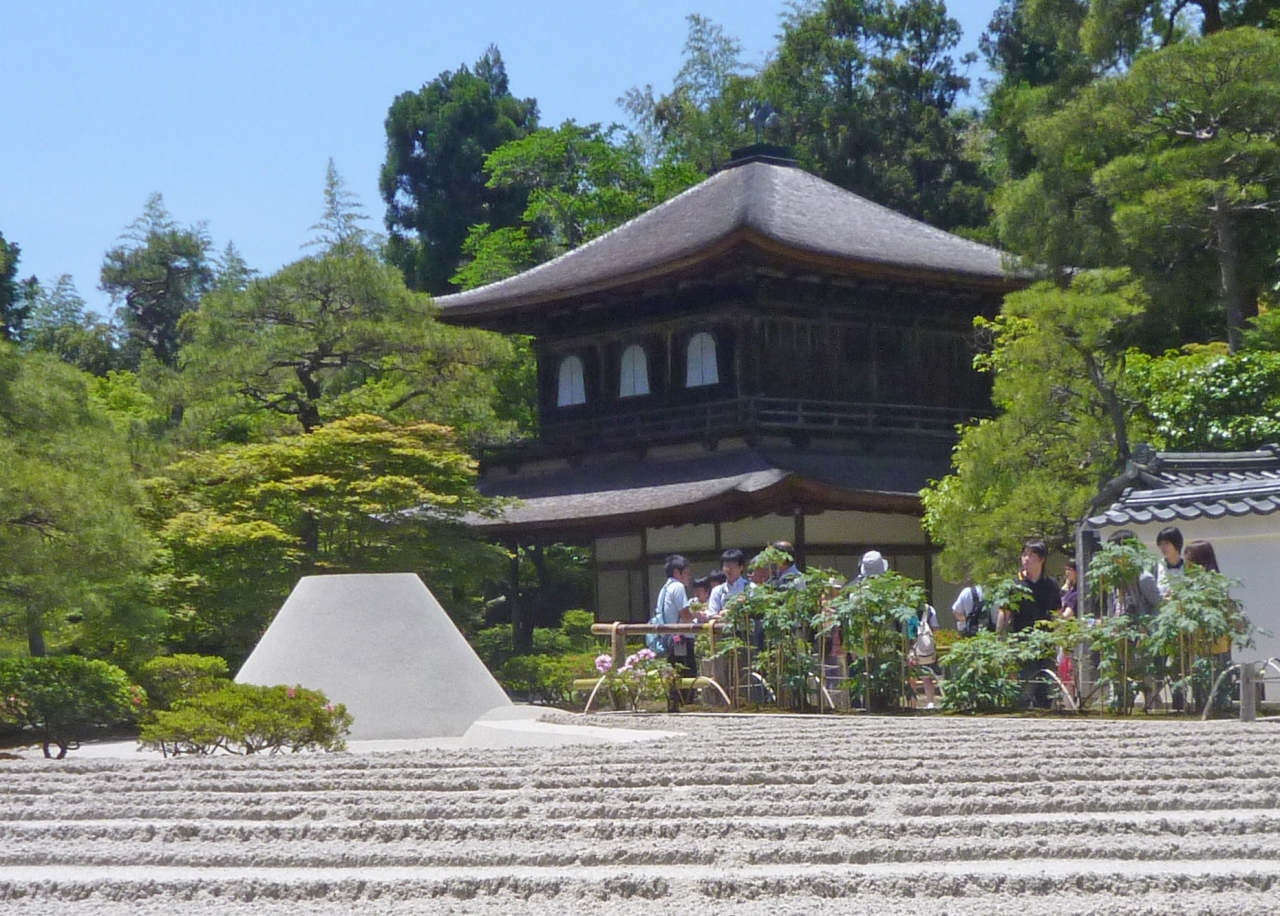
[873, 564]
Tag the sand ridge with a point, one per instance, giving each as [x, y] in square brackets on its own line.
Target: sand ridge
[733, 814]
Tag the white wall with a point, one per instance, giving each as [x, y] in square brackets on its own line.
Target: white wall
[1248, 549]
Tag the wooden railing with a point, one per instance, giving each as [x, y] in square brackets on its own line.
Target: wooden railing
[737, 416]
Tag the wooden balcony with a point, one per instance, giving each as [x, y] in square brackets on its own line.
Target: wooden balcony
[709, 421]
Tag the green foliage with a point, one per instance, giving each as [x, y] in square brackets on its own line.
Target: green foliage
[14, 307]
[249, 719]
[1197, 615]
[1063, 427]
[642, 678]
[872, 615]
[1205, 400]
[494, 645]
[433, 180]
[339, 334]
[581, 182]
[155, 276]
[72, 550]
[576, 627]
[868, 91]
[170, 679]
[360, 494]
[697, 125]
[63, 699]
[545, 678]
[981, 674]
[59, 324]
[1170, 167]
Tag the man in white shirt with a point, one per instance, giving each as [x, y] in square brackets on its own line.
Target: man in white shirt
[734, 563]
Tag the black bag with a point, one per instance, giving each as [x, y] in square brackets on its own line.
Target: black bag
[977, 619]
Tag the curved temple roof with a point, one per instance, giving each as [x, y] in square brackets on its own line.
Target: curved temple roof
[1181, 486]
[773, 206]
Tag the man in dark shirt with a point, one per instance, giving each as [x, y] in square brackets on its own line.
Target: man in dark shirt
[1045, 598]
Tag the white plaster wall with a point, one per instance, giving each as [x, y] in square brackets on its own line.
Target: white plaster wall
[1248, 549]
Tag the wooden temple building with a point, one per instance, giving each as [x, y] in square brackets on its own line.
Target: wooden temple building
[765, 356]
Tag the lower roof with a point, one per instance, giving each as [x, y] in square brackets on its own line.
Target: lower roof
[623, 493]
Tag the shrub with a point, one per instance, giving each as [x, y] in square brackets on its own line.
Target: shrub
[249, 719]
[547, 641]
[171, 678]
[576, 626]
[982, 674]
[494, 645]
[64, 698]
[545, 678]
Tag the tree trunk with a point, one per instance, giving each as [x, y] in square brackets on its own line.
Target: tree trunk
[1239, 295]
[521, 631]
[1212, 22]
[35, 633]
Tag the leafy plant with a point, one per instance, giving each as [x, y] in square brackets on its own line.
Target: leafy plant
[544, 678]
[872, 615]
[981, 674]
[249, 719]
[171, 678]
[64, 698]
[643, 677]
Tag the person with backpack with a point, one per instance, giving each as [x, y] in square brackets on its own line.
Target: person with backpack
[971, 611]
[672, 600]
[923, 654]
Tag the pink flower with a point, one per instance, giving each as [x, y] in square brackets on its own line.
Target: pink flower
[328, 707]
[646, 655]
[290, 693]
[604, 663]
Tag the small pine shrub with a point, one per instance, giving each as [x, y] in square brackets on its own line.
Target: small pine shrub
[249, 719]
[171, 678]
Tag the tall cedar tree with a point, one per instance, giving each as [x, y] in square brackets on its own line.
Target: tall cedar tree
[433, 179]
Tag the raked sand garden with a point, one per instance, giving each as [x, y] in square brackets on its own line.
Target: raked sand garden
[732, 814]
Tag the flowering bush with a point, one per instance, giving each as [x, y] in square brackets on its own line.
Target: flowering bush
[62, 699]
[643, 676]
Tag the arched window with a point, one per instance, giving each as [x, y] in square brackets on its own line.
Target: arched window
[701, 366]
[635, 372]
[571, 388]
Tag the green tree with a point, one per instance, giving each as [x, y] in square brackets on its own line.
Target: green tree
[65, 699]
[336, 334]
[868, 92]
[1205, 400]
[156, 275]
[705, 115]
[72, 549]
[13, 306]
[359, 494]
[1063, 425]
[1172, 168]
[59, 324]
[432, 180]
[581, 182]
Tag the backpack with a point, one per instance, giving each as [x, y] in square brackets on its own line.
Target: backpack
[658, 643]
[924, 651]
[977, 619]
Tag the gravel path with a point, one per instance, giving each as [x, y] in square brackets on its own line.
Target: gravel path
[770, 814]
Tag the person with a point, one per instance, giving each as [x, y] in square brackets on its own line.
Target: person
[1201, 553]
[872, 563]
[788, 576]
[672, 600]
[1140, 599]
[1043, 599]
[921, 630]
[970, 613]
[702, 589]
[1070, 591]
[1169, 542]
[733, 564]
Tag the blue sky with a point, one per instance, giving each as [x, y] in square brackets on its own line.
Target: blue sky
[231, 110]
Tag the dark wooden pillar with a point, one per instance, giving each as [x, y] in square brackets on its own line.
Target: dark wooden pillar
[521, 631]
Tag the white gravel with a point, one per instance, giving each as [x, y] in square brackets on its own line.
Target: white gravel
[754, 815]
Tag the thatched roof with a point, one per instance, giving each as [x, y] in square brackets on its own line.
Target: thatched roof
[775, 207]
